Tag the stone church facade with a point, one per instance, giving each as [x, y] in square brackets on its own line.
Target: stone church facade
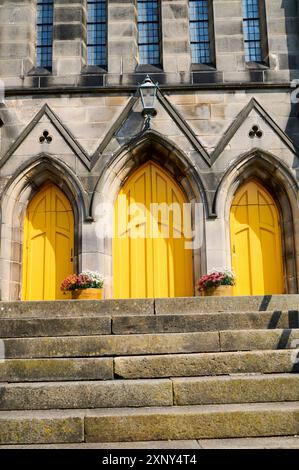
[80, 126]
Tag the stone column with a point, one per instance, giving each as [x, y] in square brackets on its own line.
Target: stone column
[122, 37]
[69, 37]
[176, 55]
[217, 247]
[17, 26]
[228, 22]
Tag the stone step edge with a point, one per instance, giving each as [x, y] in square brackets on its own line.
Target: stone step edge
[112, 346]
[104, 335]
[152, 356]
[155, 324]
[145, 356]
[174, 391]
[281, 442]
[157, 305]
[157, 366]
[158, 423]
[177, 391]
[240, 376]
[164, 410]
[90, 315]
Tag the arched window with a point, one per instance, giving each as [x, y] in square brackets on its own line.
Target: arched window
[255, 31]
[97, 33]
[201, 31]
[44, 36]
[149, 32]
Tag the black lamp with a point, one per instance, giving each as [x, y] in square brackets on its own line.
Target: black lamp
[148, 93]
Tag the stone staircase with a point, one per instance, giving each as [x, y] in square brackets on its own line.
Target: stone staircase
[146, 370]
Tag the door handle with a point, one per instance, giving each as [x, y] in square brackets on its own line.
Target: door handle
[71, 254]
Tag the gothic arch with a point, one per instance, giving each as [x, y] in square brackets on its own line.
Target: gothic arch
[150, 146]
[280, 182]
[18, 192]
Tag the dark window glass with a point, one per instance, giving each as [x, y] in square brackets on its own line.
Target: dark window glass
[149, 32]
[97, 32]
[199, 31]
[252, 31]
[44, 33]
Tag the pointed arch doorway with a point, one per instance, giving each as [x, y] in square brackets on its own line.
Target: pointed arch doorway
[48, 246]
[256, 242]
[150, 258]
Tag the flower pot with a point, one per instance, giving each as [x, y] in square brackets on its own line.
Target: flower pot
[87, 294]
[219, 291]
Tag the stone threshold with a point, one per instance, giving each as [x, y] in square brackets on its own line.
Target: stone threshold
[284, 442]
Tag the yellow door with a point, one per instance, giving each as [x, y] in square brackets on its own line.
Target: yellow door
[48, 245]
[256, 242]
[150, 258]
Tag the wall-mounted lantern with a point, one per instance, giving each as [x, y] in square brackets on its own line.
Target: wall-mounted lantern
[148, 93]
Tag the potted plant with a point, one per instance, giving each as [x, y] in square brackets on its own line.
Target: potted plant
[87, 285]
[217, 283]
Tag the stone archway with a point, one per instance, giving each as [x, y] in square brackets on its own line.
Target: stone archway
[116, 173]
[281, 184]
[149, 245]
[15, 198]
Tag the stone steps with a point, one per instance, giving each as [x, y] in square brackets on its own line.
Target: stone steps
[77, 308]
[150, 392]
[252, 388]
[177, 323]
[43, 370]
[192, 422]
[112, 345]
[281, 442]
[143, 424]
[97, 324]
[143, 367]
[149, 344]
[86, 394]
[253, 303]
[126, 445]
[83, 372]
[167, 306]
[185, 365]
[54, 327]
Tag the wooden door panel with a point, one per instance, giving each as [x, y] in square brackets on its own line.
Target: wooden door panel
[154, 263]
[48, 245]
[256, 242]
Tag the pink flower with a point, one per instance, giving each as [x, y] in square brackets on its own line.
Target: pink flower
[215, 279]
